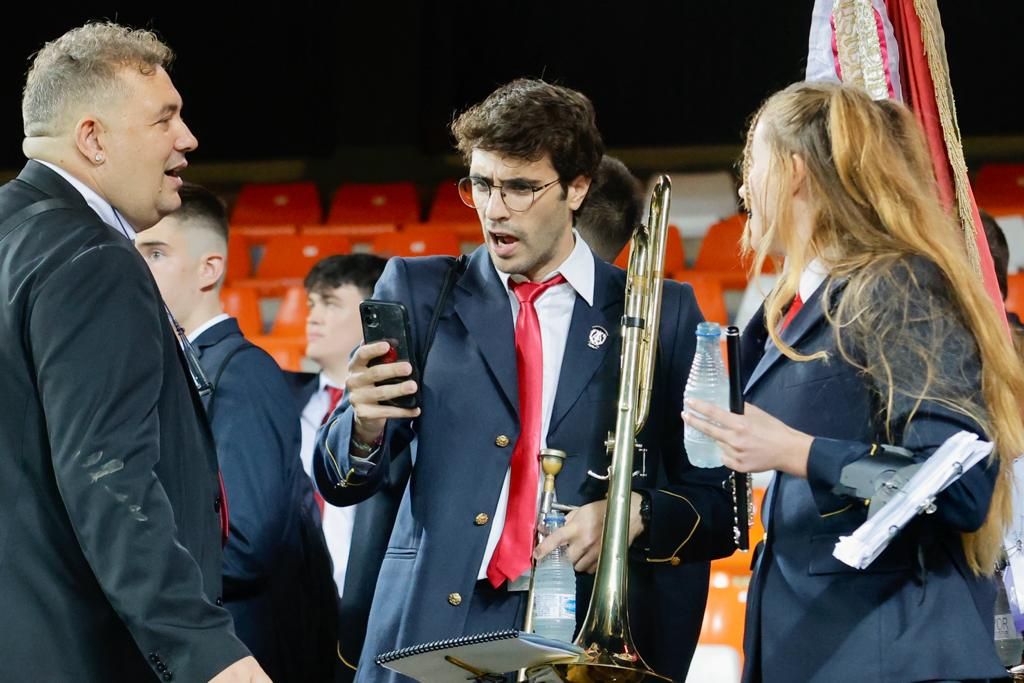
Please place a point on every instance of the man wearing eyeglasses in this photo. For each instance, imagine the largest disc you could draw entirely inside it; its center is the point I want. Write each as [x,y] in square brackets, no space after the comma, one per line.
[526,356]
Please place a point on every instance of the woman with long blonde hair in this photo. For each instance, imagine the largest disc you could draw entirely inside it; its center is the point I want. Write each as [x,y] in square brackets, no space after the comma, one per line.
[879,332]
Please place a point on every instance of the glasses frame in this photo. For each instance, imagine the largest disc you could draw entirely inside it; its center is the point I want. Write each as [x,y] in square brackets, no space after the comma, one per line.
[501,191]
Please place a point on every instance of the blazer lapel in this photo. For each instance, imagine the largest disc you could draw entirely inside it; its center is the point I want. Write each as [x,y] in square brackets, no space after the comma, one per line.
[482,304]
[807,318]
[582,358]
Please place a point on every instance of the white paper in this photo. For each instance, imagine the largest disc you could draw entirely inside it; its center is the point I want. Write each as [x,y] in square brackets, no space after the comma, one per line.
[958,454]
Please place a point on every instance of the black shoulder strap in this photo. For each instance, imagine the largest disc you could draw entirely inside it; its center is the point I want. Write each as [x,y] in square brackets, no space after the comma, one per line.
[455,269]
[31,211]
[243,343]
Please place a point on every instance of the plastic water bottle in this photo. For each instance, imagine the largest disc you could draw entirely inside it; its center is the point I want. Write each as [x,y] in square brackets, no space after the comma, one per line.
[1009,645]
[554,589]
[707,382]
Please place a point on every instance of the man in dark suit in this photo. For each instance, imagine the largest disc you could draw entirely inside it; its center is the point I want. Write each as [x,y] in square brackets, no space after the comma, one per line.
[110,508]
[462,542]
[256,429]
[357,536]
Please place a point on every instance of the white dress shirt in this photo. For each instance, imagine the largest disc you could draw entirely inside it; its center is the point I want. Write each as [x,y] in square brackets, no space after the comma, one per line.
[194,334]
[101,206]
[338,522]
[554,313]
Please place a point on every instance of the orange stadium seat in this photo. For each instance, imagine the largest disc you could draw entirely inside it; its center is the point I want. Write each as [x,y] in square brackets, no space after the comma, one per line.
[999,189]
[262,232]
[448,207]
[291,314]
[675,254]
[239,258]
[288,258]
[359,234]
[243,304]
[366,203]
[287,352]
[725,612]
[417,241]
[1015,293]
[280,204]
[710,296]
[720,253]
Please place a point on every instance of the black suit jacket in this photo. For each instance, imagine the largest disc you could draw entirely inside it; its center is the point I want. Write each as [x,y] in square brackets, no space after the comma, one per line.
[110,550]
[371,529]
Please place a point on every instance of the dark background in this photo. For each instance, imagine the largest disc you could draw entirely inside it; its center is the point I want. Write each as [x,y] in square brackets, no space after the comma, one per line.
[303,80]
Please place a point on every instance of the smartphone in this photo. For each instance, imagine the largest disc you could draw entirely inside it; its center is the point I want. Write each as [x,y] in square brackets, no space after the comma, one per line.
[389,321]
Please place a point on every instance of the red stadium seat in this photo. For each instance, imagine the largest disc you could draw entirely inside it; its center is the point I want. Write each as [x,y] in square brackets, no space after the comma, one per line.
[447,206]
[999,189]
[365,203]
[280,204]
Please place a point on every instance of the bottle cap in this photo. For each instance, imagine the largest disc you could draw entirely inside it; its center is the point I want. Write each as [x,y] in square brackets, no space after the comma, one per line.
[709,329]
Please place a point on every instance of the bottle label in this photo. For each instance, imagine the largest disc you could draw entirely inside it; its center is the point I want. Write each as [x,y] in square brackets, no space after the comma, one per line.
[1004,630]
[554,606]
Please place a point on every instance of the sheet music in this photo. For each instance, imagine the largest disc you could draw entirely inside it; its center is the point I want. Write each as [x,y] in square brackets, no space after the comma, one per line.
[1013,543]
[958,454]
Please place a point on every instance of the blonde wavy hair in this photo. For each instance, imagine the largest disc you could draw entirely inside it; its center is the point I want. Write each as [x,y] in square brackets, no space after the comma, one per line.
[907,308]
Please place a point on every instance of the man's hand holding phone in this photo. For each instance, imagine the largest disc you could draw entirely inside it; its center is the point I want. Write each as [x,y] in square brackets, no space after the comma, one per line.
[366,389]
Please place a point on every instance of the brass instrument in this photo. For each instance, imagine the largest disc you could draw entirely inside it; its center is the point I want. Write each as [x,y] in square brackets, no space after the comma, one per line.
[609,652]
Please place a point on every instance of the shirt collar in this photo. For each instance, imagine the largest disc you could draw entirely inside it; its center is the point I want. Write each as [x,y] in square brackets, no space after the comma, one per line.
[577,269]
[814,274]
[326,381]
[192,336]
[107,213]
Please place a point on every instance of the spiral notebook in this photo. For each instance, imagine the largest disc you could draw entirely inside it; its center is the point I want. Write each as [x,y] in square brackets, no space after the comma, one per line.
[477,656]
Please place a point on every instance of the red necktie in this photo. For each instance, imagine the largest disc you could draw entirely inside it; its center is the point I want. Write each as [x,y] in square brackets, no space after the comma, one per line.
[794,307]
[512,554]
[225,525]
[333,397]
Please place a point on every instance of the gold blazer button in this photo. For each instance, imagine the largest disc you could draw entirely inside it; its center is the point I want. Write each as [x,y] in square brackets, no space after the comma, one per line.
[502,441]
[481,519]
[454,599]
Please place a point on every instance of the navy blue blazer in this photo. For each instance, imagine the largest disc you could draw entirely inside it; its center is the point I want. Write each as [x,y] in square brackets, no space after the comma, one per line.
[256,429]
[469,400]
[917,613]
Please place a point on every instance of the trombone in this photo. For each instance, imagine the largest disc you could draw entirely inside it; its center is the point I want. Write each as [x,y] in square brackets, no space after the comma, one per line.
[609,654]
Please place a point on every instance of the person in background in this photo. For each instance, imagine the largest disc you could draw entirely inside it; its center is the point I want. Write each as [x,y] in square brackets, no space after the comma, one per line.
[612,210]
[110,506]
[357,536]
[268,587]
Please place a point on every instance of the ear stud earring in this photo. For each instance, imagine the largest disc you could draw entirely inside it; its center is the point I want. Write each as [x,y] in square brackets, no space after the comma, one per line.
[99,158]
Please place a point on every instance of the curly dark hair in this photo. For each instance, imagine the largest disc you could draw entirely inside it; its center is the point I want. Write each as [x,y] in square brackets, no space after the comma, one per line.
[526,119]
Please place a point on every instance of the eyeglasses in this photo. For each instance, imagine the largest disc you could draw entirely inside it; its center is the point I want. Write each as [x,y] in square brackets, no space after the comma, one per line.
[517,195]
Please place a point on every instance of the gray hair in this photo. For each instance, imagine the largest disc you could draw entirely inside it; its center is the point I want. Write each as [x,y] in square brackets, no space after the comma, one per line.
[82,67]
